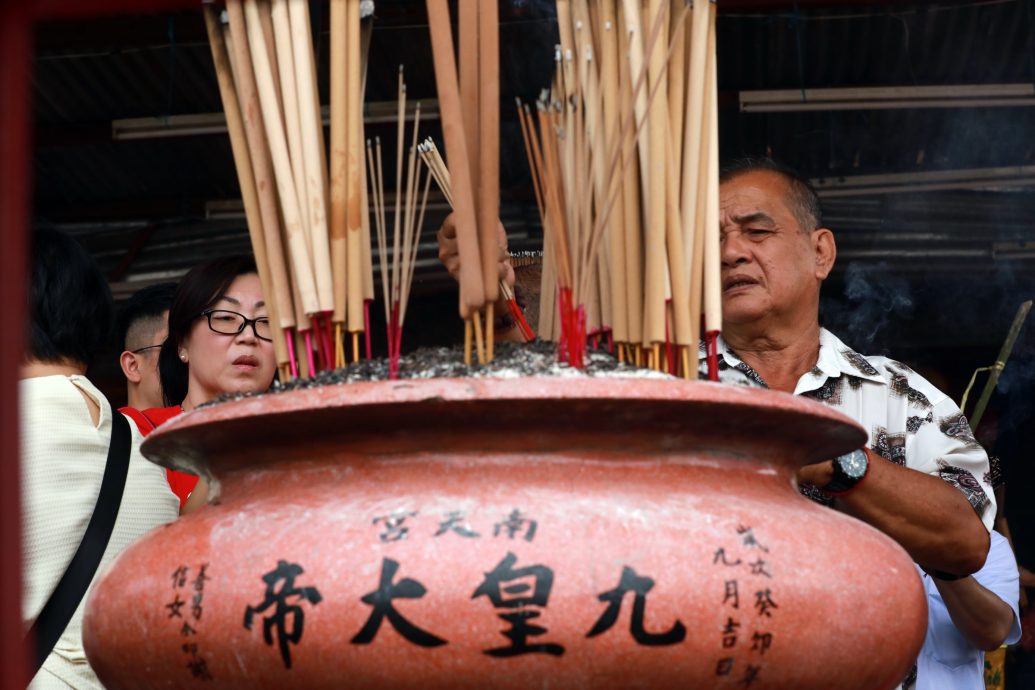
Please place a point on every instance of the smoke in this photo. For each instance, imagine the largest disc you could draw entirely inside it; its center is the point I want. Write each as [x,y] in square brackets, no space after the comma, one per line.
[874,297]
[1017,383]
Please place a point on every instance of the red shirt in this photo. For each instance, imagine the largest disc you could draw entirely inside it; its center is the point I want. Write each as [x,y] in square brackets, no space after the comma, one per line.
[181,483]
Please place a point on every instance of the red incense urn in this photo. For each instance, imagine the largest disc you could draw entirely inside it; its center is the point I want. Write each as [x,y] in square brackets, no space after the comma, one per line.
[522,533]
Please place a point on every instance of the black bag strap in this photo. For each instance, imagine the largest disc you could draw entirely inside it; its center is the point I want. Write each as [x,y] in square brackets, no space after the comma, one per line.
[72,586]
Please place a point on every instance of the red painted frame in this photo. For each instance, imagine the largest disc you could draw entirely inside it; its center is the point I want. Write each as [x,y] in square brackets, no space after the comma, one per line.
[17,24]
[17,20]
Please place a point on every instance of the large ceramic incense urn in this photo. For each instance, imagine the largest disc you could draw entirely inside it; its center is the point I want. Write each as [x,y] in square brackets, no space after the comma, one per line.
[522,533]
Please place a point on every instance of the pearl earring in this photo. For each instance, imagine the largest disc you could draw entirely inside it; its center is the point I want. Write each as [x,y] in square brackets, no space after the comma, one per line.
[183,358]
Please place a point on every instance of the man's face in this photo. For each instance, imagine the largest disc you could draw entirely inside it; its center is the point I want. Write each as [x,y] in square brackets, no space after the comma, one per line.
[150,388]
[770,267]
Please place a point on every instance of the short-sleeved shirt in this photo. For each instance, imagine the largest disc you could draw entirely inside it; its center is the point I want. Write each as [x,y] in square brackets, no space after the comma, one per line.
[63,457]
[947,660]
[181,483]
[909,421]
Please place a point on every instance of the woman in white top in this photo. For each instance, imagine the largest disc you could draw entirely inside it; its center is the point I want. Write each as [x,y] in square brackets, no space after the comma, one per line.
[66,426]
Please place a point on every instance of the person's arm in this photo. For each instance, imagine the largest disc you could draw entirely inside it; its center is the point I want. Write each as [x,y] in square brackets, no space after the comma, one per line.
[449,254]
[198,497]
[978,613]
[928,517]
[983,607]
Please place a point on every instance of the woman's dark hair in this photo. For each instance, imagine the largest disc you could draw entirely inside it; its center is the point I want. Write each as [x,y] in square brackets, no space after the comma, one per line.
[70,305]
[198,291]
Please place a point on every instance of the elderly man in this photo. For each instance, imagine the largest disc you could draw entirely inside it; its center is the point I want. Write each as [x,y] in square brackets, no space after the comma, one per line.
[922,479]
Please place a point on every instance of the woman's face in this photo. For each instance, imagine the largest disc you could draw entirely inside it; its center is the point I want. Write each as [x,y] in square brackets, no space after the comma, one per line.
[219,363]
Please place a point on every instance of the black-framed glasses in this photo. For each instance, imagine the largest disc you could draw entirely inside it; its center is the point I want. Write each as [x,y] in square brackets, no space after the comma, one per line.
[226,322]
[145,349]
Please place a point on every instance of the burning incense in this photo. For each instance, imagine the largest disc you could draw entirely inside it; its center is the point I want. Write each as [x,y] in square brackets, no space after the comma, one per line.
[600,145]
[273,114]
[397,265]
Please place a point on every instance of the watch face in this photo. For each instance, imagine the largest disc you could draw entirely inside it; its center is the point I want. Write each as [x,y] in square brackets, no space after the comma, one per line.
[854,464]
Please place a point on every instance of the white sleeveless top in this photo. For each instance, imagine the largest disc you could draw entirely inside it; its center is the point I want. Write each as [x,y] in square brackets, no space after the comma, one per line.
[63,455]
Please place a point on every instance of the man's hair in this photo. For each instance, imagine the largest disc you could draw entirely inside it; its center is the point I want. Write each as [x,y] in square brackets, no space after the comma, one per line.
[70,305]
[144,313]
[801,195]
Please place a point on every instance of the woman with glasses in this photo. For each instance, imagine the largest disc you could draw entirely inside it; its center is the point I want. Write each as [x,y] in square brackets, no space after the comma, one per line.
[219,342]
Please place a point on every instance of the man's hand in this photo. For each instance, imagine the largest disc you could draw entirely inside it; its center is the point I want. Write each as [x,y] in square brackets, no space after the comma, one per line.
[449,251]
[818,474]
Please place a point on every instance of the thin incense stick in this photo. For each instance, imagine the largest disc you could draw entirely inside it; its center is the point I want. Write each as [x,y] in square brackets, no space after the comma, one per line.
[339,164]
[616,230]
[397,218]
[354,148]
[378,191]
[366,31]
[712,258]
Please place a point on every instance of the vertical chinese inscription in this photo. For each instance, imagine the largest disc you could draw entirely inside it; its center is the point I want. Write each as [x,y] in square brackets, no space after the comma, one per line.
[287,617]
[745,564]
[188,620]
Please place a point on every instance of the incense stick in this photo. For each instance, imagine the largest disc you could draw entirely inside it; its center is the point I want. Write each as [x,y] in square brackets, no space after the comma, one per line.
[472,293]
[314,201]
[275,137]
[488,170]
[339,167]
[243,166]
[354,148]
[712,258]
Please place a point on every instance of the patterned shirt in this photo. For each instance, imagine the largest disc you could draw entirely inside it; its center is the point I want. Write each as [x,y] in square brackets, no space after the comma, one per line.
[909,421]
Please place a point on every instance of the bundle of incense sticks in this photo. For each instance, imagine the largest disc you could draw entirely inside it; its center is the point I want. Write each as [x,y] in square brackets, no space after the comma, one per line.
[397,267]
[624,157]
[309,230]
[433,160]
[469,107]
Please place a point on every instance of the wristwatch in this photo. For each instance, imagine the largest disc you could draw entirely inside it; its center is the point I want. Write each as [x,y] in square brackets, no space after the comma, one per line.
[849,471]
